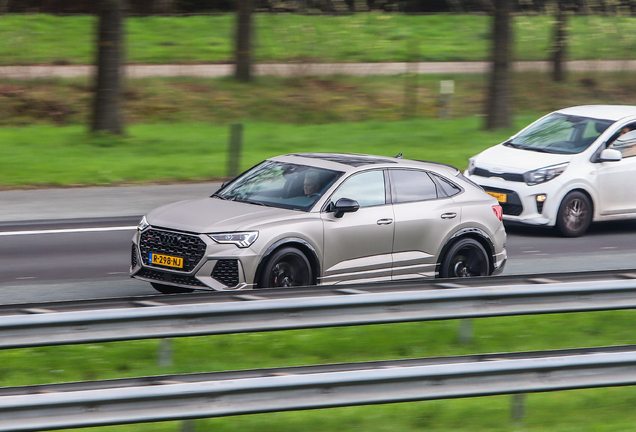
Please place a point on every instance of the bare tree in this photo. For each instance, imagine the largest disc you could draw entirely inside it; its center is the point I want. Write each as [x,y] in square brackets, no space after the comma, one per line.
[498,107]
[243,70]
[106,110]
[560,35]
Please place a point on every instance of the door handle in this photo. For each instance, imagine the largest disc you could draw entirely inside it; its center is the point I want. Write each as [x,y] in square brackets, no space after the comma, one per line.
[449,215]
[385,221]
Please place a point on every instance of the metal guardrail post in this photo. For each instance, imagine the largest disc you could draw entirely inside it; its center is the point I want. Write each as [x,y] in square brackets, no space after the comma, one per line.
[165,353]
[518,407]
[234,151]
[465,330]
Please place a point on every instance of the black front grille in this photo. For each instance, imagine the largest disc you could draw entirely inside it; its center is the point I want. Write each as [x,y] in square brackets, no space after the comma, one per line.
[189,247]
[513,205]
[133,257]
[169,277]
[226,272]
[481,172]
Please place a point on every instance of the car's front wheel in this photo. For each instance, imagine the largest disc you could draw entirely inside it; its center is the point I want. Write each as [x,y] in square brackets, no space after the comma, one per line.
[287,267]
[575,215]
[167,289]
[465,258]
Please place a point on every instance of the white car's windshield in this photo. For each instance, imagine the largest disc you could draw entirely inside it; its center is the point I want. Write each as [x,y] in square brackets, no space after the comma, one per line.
[279,184]
[559,133]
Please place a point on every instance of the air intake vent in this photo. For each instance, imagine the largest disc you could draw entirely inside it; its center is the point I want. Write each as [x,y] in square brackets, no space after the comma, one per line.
[226,272]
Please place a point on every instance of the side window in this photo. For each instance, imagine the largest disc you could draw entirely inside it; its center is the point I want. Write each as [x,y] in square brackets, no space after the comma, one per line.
[367,188]
[625,143]
[447,186]
[411,185]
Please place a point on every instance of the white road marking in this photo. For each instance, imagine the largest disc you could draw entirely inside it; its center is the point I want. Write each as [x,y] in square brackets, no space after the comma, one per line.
[26,277]
[67,231]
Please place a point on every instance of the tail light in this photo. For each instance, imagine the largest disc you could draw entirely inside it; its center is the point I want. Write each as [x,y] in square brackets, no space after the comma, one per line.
[498,211]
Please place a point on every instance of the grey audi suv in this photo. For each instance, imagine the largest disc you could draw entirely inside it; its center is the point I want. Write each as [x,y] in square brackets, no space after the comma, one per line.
[323,218]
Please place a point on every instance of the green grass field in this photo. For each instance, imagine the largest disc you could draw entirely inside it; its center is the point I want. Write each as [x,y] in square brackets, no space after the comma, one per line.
[371,37]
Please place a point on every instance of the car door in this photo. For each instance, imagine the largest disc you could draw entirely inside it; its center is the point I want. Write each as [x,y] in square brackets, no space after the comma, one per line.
[423,218]
[358,245]
[616,180]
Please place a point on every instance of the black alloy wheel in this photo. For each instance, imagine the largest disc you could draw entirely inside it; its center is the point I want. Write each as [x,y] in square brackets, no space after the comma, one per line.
[465,258]
[168,289]
[287,267]
[575,214]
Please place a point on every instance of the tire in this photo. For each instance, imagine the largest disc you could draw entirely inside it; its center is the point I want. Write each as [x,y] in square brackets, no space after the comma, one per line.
[287,267]
[575,215]
[168,289]
[465,258]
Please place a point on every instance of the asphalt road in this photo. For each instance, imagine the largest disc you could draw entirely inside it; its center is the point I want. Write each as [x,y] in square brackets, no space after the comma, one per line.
[79,247]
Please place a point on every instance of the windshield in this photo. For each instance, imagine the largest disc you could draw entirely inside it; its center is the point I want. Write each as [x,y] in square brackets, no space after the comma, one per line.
[279,184]
[558,133]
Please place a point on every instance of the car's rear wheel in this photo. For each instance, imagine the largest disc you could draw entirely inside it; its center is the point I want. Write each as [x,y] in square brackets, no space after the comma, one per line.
[465,258]
[287,267]
[575,215]
[167,289]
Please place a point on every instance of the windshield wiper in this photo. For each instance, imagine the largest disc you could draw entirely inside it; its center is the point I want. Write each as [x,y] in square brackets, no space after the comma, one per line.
[216,195]
[517,146]
[250,202]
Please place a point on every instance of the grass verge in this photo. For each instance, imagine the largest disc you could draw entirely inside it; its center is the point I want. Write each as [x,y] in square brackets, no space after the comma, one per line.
[43,155]
[364,37]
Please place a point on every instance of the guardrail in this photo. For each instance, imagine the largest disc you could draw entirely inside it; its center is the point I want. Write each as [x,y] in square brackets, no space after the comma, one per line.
[176,397]
[180,397]
[45,326]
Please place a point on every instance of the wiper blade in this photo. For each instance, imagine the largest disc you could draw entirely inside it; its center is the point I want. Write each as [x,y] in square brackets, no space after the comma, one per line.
[251,202]
[216,195]
[513,145]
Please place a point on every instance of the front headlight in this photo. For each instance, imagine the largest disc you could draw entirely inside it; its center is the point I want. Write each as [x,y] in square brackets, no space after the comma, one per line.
[543,175]
[143,224]
[240,239]
[471,166]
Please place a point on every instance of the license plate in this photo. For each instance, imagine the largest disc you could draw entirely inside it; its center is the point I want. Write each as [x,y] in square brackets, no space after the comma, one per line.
[166,260]
[501,197]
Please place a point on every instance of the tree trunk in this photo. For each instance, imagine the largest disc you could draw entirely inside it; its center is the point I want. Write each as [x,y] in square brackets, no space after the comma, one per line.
[558,53]
[163,6]
[498,114]
[244,40]
[106,110]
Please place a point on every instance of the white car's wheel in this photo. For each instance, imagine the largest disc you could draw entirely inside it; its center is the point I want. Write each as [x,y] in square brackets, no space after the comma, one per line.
[575,214]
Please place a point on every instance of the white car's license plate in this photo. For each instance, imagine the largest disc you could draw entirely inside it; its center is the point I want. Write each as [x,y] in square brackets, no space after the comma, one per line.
[501,197]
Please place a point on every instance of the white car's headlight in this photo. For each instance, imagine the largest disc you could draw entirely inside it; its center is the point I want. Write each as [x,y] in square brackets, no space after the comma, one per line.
[240,239]
[543,175]
[471,166]
[143,224]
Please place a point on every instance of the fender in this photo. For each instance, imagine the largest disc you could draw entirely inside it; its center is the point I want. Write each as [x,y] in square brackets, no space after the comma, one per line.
[467,232]
[313,260]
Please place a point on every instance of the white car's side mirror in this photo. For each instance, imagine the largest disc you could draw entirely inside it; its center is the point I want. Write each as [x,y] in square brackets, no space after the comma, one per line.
[610,155]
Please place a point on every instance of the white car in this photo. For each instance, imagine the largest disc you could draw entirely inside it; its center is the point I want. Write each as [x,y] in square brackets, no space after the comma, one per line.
[568,169]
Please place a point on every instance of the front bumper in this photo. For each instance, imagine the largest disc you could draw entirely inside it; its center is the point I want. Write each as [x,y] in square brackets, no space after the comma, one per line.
[521,205]
[207,265]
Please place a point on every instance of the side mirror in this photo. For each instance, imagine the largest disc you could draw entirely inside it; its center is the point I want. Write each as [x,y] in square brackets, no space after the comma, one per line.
[610,155]
[345,205]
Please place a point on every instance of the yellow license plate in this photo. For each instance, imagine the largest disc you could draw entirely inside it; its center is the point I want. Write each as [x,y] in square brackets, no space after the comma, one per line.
[166,260]
[500,196]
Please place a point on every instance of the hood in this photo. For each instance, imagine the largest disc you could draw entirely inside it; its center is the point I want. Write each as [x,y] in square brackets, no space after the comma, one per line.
[209,215]
[511,160]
